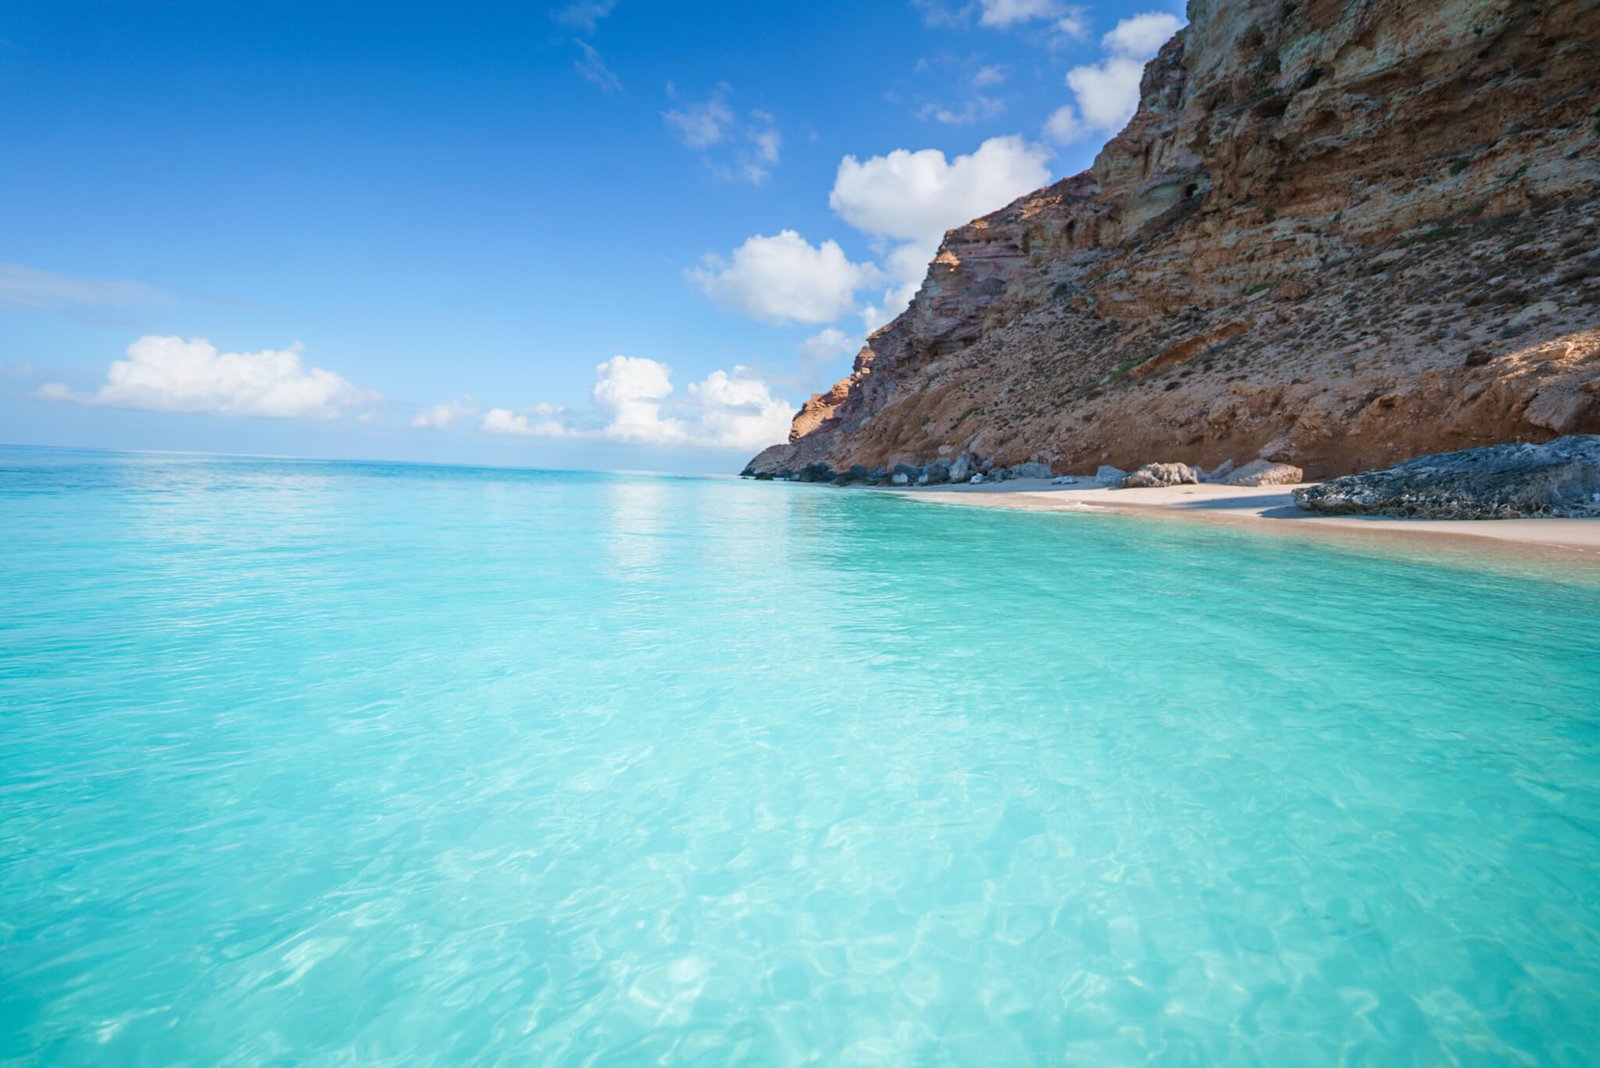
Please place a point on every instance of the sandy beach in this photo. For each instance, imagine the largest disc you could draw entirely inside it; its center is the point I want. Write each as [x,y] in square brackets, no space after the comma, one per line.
[1272,509]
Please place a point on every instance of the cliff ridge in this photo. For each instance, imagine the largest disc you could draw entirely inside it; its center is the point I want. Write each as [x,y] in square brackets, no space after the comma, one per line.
[1335,234]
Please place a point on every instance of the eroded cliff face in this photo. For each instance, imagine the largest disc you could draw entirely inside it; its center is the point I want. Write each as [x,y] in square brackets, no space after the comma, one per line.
[1338,233]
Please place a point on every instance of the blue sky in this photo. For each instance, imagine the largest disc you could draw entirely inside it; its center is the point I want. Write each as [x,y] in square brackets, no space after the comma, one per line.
[608,233]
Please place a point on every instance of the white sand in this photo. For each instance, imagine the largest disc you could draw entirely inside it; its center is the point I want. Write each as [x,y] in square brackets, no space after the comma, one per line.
[1271,508]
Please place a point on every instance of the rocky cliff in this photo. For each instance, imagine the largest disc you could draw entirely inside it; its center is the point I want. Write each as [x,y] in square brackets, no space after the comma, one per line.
[1338,233]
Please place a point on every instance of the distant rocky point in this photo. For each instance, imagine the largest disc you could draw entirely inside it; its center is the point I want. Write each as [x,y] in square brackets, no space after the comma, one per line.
[1334,236]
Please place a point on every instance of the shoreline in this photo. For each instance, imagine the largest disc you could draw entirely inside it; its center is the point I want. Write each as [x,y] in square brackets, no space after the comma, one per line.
[1271,509]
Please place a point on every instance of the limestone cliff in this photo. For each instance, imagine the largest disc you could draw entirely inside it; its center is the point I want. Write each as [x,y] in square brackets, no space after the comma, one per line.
[1338,233]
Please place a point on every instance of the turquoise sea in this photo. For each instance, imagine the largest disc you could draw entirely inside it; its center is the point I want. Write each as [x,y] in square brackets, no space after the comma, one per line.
[345,763]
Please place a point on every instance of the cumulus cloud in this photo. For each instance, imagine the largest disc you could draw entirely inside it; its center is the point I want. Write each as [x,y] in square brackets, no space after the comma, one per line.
[784,278]
[594,69]
[734,148]
[443,416]
[631,389]
[737,411]
[1063,126]
[28,287]
[830,344]
[169,374]
[1141,36]
[904,201]
[583,15]
[1106,94]
[917,196]
[914,197]
[505,421]
[634,405]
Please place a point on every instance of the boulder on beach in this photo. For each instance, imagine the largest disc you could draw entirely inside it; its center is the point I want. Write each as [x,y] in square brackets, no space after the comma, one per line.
[1265,473]
[1162,475]
[961,468]
[1029,470]
[1560,478]
[1110,476]
[1221,472]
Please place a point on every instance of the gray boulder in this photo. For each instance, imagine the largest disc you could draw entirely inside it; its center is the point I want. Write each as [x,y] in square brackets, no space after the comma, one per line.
[1223,470]
[1559,478]
[1162,475]
[1110,476]
[937,472]
[900,478]
[1063,480]
[1028,470]
[976,478]
[961,468]
[1266,473]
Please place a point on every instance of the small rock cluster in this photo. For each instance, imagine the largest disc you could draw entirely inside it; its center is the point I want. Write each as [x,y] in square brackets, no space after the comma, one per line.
[964,468]
[973,470]
[1254,473]
[1560,478]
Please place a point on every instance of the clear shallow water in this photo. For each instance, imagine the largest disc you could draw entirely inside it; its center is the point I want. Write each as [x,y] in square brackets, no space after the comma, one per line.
[342,763]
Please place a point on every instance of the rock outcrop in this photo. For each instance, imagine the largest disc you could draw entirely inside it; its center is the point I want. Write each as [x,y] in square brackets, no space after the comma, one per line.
[1265,473]
[1162,475]
[1334,235]
[1560,478]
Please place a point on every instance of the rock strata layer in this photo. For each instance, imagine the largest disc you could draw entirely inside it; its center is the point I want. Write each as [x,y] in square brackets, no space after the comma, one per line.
[1335,235]
[1559,478]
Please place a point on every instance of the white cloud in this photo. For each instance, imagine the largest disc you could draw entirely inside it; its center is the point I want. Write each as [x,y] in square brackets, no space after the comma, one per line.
[630,389]
[584,15]
[634,405]
[783,278]
[977,109]
[169,374]
[1106,94]
[738,411]
[594,69]
[829,344]
[1141,36]
[752,145]
[905,266]
[28,287]
[703,124]
[1072,24]
[443,416]
[1006,13]
[990,74]
[505,421]
[1063,126]
[905,201]
[914,197]
[917,196]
